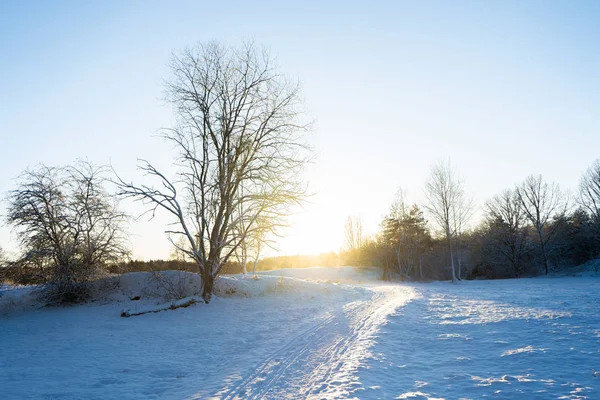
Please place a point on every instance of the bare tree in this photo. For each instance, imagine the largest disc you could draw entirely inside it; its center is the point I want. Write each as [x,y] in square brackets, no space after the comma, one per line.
[507,224]
[353,233]
[353,241]
[541,202]
[589,194]
[241,255]
[65,219]
[254,242]
[396,235]
[177,253]
[260,234]
[445,194]
[259,240]
[462,212]
[239,126]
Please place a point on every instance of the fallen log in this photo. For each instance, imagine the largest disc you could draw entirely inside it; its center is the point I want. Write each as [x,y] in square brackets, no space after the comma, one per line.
[182,303]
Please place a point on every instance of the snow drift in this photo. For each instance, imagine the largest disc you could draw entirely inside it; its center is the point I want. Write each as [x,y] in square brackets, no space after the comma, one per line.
[149,289]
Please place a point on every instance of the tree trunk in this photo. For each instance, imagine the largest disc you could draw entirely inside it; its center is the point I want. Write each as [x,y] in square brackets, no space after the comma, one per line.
[183,303]
[386,271]
[207,286]
[513,260]
[545,258]
[244,258]
[543,245]
[421,268]
[451,255]
[452,261]
[256,258]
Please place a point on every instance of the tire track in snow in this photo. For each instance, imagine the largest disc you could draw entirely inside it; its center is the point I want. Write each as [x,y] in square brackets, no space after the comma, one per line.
[265,388]
[322,360]
[336,376]
[272,368]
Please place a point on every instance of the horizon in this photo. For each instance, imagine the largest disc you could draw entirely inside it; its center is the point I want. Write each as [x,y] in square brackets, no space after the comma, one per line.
[502,89]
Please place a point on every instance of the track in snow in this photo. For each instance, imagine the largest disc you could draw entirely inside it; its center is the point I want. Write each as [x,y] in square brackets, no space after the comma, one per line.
[322,361]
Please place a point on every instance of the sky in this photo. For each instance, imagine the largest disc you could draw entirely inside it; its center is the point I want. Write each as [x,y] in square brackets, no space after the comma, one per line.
[502,89]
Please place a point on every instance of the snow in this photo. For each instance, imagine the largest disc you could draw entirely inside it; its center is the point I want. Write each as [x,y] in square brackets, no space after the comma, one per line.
[307,333]
[351,275]
[527,338]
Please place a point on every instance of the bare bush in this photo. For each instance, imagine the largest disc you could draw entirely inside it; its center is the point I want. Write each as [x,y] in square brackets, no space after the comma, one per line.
[171,285]
[68,226]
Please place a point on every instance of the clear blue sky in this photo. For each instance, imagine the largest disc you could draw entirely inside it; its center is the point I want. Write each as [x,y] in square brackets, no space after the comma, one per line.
[502,88]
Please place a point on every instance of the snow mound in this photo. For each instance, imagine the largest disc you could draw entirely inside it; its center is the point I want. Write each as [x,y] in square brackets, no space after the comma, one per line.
[155,287]
[263,285]
[18,298]
[148,289]
[587,270]
[165,285]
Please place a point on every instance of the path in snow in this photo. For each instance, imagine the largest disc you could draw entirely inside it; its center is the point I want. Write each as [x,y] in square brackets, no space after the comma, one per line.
[323,360]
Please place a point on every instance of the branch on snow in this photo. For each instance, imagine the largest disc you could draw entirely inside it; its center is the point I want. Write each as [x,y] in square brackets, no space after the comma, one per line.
[183,303]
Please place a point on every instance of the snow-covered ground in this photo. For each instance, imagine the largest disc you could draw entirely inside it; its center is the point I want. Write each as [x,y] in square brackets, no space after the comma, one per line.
[310,333]
[510,339]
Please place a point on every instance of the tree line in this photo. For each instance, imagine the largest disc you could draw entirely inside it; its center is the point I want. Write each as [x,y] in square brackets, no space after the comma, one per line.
[533,228]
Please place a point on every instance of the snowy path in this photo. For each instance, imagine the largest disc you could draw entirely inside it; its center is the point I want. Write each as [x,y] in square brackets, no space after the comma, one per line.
[323,360]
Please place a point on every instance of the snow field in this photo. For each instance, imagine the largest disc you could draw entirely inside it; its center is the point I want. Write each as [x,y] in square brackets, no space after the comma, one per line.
[512,339]
[316,333]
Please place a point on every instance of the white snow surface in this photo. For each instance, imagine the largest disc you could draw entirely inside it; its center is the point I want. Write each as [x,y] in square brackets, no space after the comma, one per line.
[323,333]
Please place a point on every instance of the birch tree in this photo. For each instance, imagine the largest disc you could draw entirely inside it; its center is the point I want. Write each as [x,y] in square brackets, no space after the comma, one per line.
[444,193]
[353,232]
[462,212]
[353,241]
[239,125]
